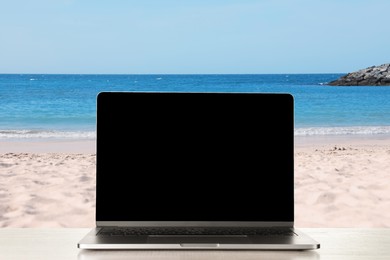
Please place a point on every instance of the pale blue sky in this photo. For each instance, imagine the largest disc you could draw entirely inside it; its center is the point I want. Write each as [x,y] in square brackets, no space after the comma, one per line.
[197,36]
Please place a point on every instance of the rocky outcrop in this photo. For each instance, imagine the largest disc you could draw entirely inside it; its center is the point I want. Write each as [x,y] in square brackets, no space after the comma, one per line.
[371,76]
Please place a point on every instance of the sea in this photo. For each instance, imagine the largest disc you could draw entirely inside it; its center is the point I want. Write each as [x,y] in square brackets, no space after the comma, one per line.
[63,106]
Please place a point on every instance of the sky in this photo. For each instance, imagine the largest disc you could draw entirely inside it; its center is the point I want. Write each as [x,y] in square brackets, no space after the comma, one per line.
[193,36]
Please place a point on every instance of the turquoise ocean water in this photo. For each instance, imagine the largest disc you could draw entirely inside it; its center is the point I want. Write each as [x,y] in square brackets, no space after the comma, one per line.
[64,106]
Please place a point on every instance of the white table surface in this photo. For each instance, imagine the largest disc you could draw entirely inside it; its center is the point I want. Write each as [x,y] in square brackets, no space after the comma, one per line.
[61,243]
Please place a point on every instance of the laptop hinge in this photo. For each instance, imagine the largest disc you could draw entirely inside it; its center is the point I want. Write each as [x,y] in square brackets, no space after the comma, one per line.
[191,224]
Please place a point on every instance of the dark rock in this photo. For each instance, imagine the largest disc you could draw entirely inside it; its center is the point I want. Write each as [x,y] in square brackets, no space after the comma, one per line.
[371,76]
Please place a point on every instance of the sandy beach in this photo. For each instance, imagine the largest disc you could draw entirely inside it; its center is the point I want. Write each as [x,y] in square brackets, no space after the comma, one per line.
[339,181]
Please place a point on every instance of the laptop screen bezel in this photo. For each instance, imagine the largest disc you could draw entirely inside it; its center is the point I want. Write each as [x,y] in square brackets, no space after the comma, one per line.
[99,222]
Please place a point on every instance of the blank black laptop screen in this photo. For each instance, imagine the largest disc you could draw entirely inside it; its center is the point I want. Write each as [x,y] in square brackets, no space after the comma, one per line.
[178,156]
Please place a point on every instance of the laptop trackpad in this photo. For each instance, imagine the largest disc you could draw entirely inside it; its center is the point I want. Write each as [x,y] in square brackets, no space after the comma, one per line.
[197,239]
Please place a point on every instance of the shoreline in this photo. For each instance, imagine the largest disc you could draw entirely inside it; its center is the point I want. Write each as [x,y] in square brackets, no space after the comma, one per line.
[48,146]
[324,140]
[89,145]
[340,181]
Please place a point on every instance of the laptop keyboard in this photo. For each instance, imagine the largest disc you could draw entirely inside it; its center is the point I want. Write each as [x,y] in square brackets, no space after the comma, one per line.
[145,231]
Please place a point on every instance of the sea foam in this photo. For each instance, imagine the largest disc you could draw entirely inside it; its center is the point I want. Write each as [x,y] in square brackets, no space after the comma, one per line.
[350,130]
[46,134]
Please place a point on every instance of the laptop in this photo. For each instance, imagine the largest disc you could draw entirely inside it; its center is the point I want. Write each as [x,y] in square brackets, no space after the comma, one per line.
[195,170]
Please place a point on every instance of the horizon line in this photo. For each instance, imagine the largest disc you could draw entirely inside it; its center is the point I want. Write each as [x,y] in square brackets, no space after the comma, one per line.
[279,73]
